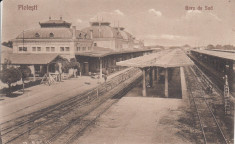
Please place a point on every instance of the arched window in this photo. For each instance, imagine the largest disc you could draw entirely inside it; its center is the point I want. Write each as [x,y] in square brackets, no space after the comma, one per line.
[37,35]
[51,35]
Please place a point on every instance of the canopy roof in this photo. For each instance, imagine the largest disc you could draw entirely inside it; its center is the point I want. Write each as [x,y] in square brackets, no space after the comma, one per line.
[221,54]
[33,58]
[102,52]
[166,58]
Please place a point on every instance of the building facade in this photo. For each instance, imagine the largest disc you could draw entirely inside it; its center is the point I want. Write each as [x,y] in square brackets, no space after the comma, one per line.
[53,36]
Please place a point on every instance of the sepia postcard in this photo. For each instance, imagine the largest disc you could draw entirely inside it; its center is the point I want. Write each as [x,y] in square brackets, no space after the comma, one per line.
[117,71]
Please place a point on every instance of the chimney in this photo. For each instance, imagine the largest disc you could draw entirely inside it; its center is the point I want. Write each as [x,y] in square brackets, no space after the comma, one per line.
[91,34]
[74,32]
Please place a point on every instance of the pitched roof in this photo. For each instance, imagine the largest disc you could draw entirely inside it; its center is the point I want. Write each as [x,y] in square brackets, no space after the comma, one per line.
[33,58]
[166,58]
[175,58]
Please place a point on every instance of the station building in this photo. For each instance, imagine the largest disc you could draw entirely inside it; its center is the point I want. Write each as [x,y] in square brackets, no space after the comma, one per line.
[53,36]
[97,48]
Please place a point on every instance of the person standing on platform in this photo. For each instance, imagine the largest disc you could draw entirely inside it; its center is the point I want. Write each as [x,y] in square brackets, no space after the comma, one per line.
[75,72]
[105,77]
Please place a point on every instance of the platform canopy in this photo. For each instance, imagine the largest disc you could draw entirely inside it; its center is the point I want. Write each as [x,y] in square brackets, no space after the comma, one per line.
[220,54]
[165,58]
[102,52]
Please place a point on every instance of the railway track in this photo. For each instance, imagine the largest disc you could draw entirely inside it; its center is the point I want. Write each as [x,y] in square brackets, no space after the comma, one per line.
[211,131]
[17,128]
[72,131]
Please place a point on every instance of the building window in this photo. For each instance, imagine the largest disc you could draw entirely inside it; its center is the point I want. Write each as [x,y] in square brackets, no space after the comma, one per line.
[78,49]
[89,48]
[61,49]
[47,49]
[38,48]
[20,49]
[67,48]
[24,48]
[34,49]
[83,48]
[51,35]
[95,44]
[52,49]
[37,35]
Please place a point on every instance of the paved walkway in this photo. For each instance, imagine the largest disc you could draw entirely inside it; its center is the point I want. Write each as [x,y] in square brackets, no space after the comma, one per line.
[138,120]
[42,96]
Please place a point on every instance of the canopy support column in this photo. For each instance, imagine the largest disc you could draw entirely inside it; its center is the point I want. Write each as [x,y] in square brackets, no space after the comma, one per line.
[157,77]
[151,77]
[33,71]
[47,69]
[154,75]
[100,68]
[166,82]
[144,83]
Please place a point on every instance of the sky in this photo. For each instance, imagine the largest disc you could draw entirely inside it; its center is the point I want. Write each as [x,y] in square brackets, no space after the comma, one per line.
[157,22]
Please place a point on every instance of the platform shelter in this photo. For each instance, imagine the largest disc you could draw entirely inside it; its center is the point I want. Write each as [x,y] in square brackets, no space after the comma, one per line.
[164,59]
[218,63]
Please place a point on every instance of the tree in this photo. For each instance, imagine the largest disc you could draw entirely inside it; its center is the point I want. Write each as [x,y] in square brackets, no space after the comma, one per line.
[210,46]
[25,72]
[8,44]
[219,46]
[66,66]
[9,76]
[6,63]
[74,64]
[228,47]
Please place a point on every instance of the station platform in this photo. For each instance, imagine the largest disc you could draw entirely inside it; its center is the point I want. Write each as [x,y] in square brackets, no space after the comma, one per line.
[135,119]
